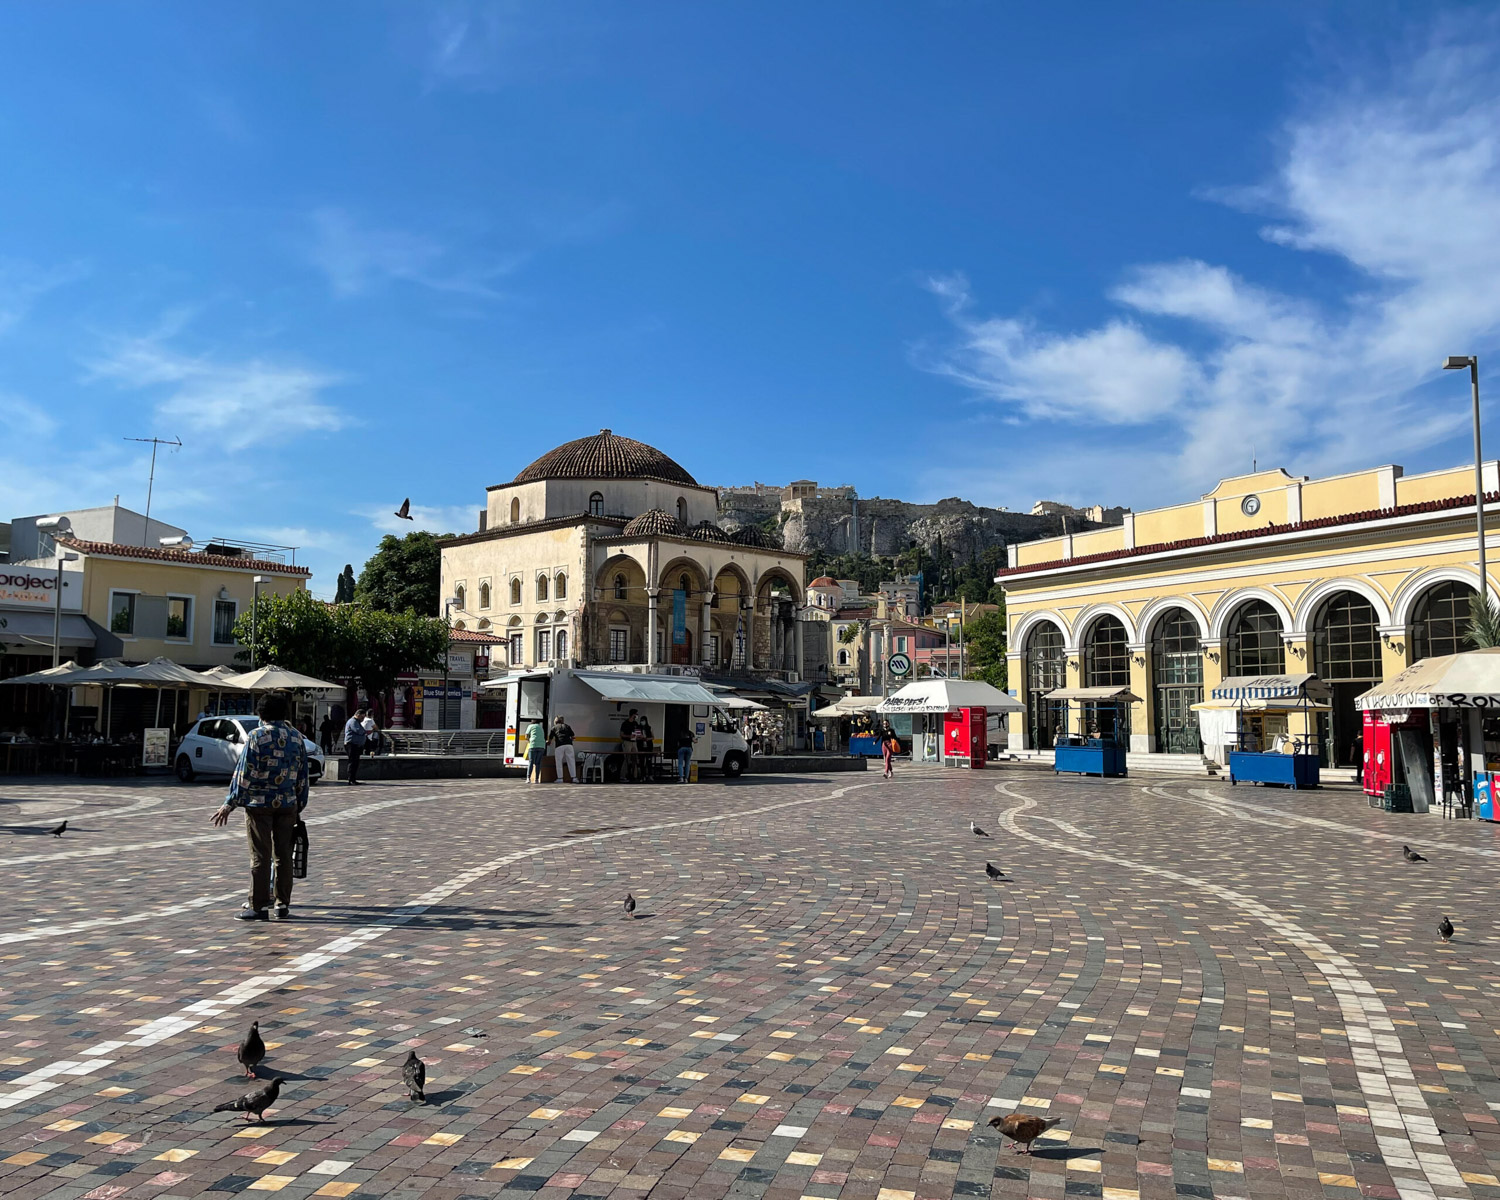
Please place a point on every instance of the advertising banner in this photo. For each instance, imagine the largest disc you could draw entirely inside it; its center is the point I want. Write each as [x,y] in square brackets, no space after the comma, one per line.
[679,617]
[156,747]
[36,587]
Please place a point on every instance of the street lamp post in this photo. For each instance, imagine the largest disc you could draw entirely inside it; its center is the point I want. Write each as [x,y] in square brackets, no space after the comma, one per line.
[450,603]
[1457,362]
[255,617]
[56,526]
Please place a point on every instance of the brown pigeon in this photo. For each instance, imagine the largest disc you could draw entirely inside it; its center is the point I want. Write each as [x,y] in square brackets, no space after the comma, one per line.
[255,1102]
[251,1050]
[1023,1129]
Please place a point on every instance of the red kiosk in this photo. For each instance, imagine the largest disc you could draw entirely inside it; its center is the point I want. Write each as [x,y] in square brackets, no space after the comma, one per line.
[964,738]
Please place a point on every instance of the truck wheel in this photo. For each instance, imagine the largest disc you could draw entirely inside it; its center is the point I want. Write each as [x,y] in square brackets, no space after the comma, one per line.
[734,765]
[184,769]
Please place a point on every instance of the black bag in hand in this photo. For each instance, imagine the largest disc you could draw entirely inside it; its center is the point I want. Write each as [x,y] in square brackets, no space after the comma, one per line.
[299,852]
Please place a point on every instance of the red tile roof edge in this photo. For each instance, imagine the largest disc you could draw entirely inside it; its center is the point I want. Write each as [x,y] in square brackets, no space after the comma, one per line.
[1242,535]
[152,553]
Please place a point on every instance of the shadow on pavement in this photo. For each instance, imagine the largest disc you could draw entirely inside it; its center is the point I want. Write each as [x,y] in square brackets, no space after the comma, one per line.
[439,916]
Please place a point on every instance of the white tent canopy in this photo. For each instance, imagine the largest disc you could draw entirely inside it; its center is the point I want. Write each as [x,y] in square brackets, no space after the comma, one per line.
[276,679]
[1467,680]
[847,706]
[945,695]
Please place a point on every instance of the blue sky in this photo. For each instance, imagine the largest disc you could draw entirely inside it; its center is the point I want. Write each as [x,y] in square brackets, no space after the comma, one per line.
[352,252]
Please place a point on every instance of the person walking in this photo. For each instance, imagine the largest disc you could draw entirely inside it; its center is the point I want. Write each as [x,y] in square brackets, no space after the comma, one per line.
[536,750]
[628,746]
[889,748]
[325,733]
[354,742]
[562,743]
[270,784]
[685,742]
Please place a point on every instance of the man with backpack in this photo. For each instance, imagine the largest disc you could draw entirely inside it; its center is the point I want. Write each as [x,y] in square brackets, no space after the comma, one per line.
[354,742]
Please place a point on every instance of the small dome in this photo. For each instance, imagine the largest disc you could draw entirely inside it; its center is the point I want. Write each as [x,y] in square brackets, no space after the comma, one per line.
[604,455]
[655,523]
[707,531]
[754,535]
[824,581]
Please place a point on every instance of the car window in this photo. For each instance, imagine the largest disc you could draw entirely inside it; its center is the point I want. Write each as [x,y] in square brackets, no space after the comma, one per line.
[212,729]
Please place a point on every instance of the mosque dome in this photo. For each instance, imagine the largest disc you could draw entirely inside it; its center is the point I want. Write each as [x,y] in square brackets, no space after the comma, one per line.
[606,455]
[655,523]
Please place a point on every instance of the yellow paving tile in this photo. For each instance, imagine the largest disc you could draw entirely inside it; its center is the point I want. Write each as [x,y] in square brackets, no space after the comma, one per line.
[675,1113]
[107,1139]
[908,1102]
[545,1114]
[275,1158]
[443,1139]
[681,1135]
[271,1183]
[336,1189]
[800,1158]
[1228,1165]
[1331,1180]
[511,1164]
[733,1154]
[177,1155]
[24,1158]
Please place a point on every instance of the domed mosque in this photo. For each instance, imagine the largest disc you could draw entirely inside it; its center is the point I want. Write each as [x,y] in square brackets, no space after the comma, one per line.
[607,551]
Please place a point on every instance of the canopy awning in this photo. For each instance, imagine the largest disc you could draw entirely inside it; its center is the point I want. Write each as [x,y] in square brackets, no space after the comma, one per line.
[634,689]
[1096,695]
[1467,680]
[277,679]
[847,706]
[725,697]
[34,630]
[945,695]
[1263,704]
[165,672]
[1271,687]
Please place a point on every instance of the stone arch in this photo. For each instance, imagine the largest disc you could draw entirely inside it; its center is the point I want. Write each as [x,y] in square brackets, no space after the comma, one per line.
[560,586]
[634,575]
[1404,605]
[683,564]
[1154,611]
[1231,602]
[730,572]
[1312,600]
[1028,622]
[769,578]
[515,510]
[1082,624]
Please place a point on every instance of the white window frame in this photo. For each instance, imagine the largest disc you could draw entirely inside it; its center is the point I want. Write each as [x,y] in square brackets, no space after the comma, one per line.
[134,594]
[543,645]
[543,587]
[461,594]
[515,590]
[213,626]
[517,640]
[486,585]
[192,616]
[559,593]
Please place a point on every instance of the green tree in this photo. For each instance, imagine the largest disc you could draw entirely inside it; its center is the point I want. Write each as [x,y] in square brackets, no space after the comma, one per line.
[403,574]
[295,631]
[1484,624]
[985,644]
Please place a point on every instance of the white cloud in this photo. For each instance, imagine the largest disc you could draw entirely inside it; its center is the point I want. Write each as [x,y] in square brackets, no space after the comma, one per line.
[22,285]
[236,404]
[1395,178]
[357,258]
[19,416]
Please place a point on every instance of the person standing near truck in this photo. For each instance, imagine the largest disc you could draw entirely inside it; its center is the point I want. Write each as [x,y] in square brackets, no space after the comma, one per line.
[536,750]
[685,742]
[562,743]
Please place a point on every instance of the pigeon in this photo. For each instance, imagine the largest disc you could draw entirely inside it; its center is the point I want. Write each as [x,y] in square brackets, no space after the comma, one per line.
[629,905]
[251,1050]
[976,831]
[1445,929]
[60,830]
[1411,855]
[254,1102]
[993,871]
[1023,1129]
[404,512]
[414,1075]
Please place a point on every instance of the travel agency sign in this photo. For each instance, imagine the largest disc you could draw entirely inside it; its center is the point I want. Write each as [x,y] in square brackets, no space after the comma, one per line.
[36,587]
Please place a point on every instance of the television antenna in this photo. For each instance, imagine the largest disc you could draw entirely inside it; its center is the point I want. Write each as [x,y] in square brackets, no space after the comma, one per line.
[151,480]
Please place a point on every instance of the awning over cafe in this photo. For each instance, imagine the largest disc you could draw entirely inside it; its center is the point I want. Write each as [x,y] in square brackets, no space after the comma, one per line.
[632,689]
[1467,680]
[1271,687]
[1095,695]
[33,630]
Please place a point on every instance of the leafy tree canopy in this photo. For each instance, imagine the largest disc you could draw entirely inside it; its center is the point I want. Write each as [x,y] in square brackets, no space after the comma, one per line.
[985,643]
[402,575]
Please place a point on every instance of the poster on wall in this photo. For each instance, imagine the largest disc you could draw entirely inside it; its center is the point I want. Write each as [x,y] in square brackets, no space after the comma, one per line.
[156,747]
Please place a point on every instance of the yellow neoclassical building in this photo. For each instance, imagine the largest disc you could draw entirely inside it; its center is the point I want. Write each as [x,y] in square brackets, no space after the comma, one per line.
[1351,577]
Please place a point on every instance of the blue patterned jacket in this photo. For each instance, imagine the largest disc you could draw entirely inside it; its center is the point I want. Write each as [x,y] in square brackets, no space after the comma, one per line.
[272,773]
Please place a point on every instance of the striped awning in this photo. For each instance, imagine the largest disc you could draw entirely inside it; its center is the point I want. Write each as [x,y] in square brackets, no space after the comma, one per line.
[1271,687]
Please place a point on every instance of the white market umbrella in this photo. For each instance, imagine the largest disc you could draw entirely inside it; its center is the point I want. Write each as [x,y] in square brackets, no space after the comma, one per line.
[945,695]
[846,706]
[278,679]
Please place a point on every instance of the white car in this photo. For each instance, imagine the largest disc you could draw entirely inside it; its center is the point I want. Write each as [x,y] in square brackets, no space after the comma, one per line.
[214,744]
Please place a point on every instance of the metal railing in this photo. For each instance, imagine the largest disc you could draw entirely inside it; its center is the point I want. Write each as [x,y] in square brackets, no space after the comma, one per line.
[450,743]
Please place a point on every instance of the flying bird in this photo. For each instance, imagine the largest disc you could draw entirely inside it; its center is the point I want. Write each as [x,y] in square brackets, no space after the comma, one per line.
[255,1102]
[404,512]
[993,871]
[251,1050]
[1445,929]
[414,1075]
[629,905]
[60,830]
[976,831]
[1023,1129]
[1411,855]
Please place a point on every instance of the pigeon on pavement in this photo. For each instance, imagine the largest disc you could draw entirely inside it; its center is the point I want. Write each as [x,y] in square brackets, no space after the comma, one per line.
[251,1050]
[993,871]
[255,1102]
[976,831]
[404,512]
[414,1075]
[1023,1129]
[1445,929]
[60,830]
[629,905]
[1411,855]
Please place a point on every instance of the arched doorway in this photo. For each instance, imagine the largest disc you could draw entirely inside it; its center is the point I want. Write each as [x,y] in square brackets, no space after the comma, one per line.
[1177,675]
[1440,624]
[1346,656]
[1046,670]
[1254,645]
[1106,663]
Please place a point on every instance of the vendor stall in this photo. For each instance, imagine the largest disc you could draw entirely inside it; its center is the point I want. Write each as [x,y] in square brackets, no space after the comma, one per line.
[1097,745]
[1434,730]
[957,708]
[1271,723]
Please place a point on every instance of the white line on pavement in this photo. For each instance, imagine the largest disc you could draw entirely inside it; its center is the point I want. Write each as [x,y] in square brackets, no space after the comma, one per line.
[1398,1111]
[102,1054]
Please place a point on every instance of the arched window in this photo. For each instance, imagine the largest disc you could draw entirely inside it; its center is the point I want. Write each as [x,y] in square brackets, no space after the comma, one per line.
[541,587]
[682,509]
[460,593]
[484,595]
[1046,670]
[619,587]
[843,658]
[515,511]
[1346,655]
[1255,646]
[685,584]
[596,504]
[560,587]
[560,643]
[515,591]
[1177,663]
[1440,624]
[1106,658]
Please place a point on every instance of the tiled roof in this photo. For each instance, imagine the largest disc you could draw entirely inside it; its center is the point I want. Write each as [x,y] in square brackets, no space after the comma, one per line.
[605,455]
[187,557]
[655,522]
[1242,535]
[487,637]
[499,531]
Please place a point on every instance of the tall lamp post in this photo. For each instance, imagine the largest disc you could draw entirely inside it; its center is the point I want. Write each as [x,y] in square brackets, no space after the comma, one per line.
[448,605]
[56,526]
[1457,362]
[255,617]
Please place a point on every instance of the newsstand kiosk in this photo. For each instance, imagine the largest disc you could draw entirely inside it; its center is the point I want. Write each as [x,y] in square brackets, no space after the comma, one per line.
[963,738]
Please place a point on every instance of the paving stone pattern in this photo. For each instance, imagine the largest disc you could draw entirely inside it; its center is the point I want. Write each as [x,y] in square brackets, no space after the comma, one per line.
[1222,992]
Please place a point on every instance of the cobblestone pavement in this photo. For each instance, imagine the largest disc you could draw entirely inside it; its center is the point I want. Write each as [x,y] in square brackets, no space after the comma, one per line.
[1221,992]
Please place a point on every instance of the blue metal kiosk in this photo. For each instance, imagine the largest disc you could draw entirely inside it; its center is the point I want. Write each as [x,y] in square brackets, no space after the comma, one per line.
[1290,759]
[1098,747]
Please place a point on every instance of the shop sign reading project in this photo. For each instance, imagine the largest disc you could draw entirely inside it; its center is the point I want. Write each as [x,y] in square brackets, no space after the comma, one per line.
[36,587]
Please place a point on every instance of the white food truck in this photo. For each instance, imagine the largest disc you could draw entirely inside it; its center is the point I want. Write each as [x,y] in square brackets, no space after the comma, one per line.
[594,702]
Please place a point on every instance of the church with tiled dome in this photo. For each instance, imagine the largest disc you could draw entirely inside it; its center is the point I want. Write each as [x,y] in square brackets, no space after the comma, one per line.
[606,551]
